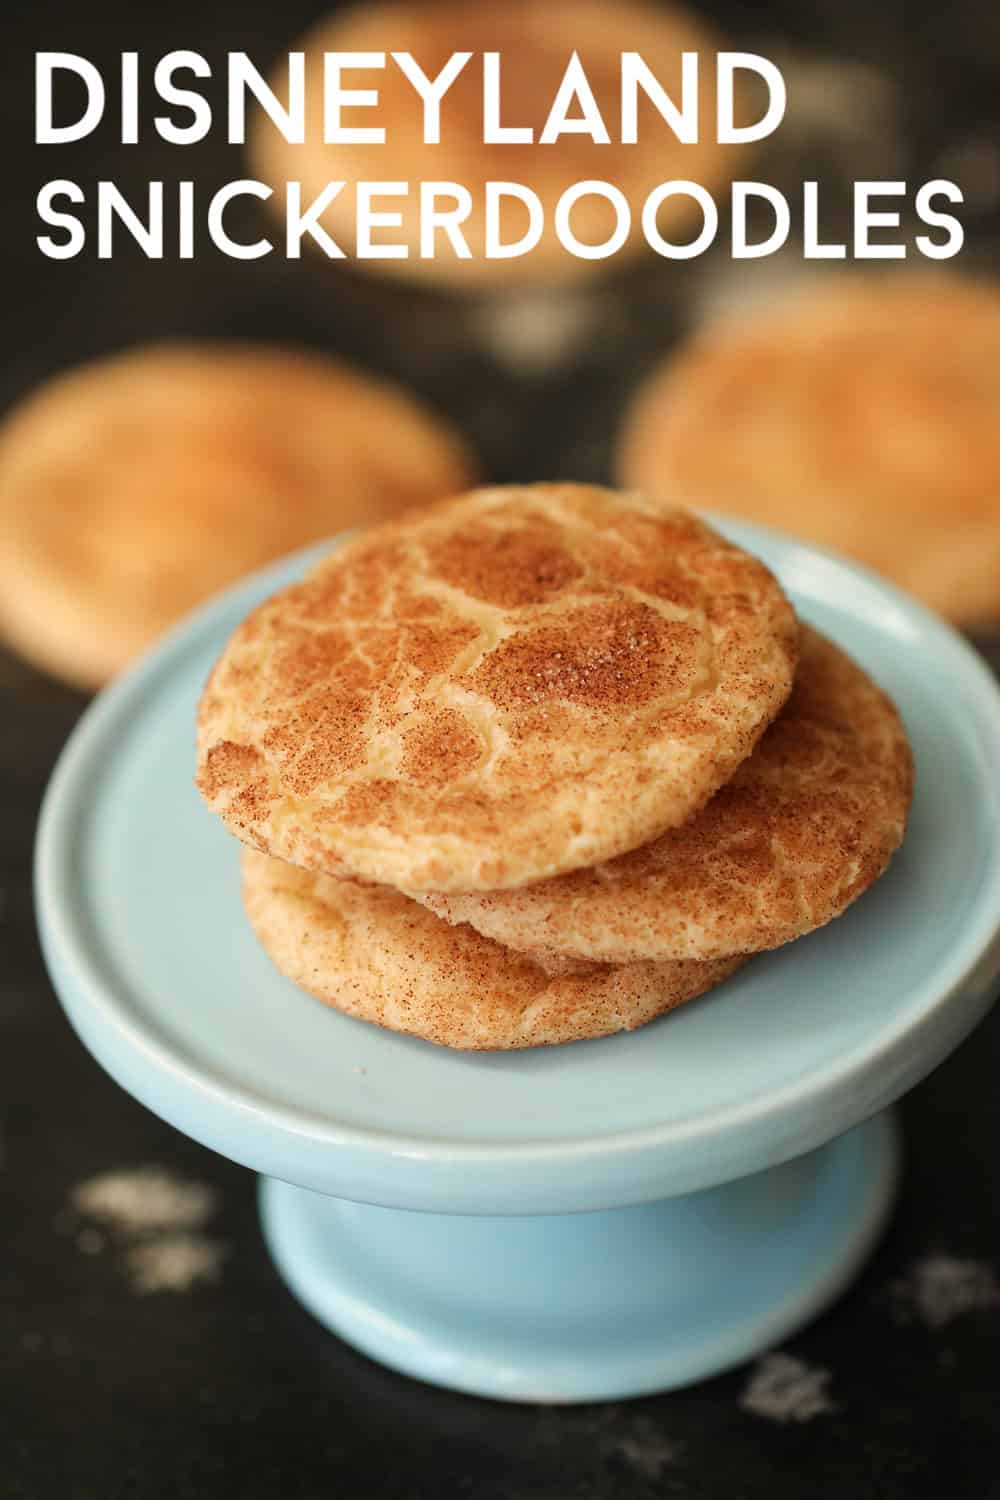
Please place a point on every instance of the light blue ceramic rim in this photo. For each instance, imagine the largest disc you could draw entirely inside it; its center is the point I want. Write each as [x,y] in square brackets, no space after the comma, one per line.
[676,1158]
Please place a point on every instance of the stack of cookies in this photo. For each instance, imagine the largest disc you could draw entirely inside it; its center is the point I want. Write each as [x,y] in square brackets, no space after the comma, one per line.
[541,763]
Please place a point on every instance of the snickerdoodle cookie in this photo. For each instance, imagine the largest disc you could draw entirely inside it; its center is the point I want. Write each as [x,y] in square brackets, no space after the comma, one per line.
[381,957]
[496,689]
[133,488]
[536,43]
[805,826]
[863,413]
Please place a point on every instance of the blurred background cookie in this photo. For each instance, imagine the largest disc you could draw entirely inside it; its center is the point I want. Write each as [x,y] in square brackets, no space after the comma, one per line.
[862,412]
[536,42]
[133,488]
[382,958]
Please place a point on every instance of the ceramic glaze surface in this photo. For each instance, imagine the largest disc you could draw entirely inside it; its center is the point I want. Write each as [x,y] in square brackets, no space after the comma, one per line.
[589,1307]
[138,889]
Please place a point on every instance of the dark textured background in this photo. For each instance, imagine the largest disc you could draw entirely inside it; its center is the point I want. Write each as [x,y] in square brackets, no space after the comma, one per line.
[228,1388]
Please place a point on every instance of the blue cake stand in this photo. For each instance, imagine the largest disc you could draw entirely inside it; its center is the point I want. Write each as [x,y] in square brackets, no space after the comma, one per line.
[596,1220]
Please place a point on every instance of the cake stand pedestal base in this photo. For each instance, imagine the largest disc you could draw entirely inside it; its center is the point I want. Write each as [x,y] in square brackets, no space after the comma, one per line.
[137,893]
[590,1306]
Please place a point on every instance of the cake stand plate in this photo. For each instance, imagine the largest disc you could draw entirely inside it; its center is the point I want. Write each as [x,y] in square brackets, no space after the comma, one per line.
[594,1220]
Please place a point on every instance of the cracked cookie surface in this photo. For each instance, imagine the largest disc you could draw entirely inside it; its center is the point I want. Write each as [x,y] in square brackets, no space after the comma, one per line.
[495,689]
[376,955]
[806,825]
